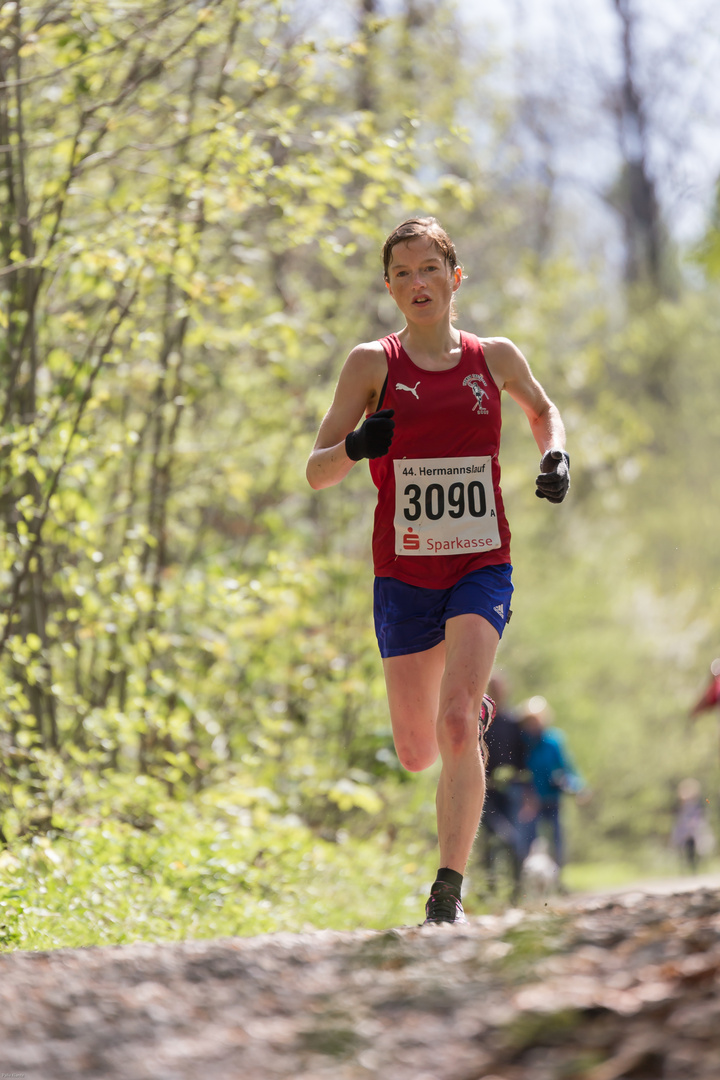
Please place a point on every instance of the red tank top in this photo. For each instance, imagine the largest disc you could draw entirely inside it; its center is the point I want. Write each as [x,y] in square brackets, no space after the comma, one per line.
[439,513]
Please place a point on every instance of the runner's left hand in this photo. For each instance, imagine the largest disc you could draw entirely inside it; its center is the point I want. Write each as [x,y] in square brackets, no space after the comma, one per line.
[554,479]
[372,439]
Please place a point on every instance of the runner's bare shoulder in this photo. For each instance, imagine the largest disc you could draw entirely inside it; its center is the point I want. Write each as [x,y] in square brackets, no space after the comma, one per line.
[503,358]
[367,365]
[369,355]
[500,346]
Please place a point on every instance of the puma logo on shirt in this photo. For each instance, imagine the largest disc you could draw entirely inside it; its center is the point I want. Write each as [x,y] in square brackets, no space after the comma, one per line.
[410,389]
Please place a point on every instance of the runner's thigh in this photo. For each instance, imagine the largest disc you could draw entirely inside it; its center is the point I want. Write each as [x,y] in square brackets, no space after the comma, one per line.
[413,688]
[470,646]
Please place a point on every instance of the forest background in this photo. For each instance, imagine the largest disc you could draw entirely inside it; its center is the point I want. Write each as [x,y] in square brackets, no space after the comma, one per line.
[194,738]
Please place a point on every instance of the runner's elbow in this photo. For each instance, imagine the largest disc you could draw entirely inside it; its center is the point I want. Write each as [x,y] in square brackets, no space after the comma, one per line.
[318,476]
[314,476]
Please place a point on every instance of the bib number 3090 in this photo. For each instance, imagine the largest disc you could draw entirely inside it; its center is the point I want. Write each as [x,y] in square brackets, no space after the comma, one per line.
[445,506]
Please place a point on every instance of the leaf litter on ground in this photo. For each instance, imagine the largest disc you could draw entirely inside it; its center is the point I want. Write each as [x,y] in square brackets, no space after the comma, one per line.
[603,988]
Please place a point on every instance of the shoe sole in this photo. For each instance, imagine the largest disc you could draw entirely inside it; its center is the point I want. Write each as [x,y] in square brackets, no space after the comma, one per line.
[489,705]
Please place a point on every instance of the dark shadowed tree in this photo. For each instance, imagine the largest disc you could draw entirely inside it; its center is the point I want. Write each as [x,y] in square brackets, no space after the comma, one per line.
[635,193]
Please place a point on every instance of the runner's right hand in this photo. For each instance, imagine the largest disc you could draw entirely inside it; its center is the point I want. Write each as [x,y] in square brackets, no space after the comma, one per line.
[372,439]
[554,479]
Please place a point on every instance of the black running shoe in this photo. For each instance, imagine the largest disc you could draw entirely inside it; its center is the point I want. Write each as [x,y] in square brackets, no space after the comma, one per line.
[487,715]
[443,906]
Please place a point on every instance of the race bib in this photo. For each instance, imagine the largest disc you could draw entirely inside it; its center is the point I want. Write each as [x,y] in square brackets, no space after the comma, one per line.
[445,506]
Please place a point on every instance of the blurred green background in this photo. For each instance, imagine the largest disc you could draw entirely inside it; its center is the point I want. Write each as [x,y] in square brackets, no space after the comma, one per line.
[194,738]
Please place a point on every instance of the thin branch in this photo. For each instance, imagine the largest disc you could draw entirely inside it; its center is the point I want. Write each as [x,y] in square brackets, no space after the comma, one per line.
[80,363]
[40,521]
[122,44]
[75,165]
[14,267]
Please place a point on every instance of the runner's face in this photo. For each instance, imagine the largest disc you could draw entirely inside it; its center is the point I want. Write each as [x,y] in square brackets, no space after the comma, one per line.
[421,280]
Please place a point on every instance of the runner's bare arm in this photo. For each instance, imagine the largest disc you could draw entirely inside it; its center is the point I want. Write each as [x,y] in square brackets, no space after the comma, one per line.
[357,392]
[512,373]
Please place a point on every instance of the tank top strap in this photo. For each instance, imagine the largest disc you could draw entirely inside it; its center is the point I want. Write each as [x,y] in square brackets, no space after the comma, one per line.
[391,345]
[472,348]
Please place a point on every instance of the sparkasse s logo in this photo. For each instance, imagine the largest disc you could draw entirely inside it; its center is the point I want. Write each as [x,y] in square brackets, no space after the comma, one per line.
[411,541]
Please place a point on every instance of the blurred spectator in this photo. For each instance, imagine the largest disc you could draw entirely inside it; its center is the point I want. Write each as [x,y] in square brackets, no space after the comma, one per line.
[507,788]
[711,697]
[692,835]
[553,774]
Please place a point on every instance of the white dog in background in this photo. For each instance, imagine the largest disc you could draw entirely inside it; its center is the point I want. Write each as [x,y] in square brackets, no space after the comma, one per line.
[540,873]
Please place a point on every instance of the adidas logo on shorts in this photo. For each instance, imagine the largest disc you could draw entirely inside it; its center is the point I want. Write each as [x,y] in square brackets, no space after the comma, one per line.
[500,610]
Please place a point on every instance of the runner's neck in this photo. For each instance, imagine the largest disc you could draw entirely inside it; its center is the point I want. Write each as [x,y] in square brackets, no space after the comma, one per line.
[432,348]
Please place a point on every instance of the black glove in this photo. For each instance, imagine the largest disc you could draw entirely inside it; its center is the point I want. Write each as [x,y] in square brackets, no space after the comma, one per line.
[554,479]
[372,439]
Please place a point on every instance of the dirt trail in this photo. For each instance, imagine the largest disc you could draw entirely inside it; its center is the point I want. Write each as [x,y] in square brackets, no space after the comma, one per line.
[596,988]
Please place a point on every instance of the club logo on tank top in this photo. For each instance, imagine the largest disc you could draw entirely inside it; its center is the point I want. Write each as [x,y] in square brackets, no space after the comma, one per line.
[477,384]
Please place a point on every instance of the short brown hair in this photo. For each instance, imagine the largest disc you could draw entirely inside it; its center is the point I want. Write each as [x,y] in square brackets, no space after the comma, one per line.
[410,230]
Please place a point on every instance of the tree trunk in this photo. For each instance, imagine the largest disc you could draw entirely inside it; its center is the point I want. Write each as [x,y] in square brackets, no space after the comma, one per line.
[367,95]
[636,192]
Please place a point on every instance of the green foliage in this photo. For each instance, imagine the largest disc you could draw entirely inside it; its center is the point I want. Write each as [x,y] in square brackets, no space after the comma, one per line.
[231,861]
[708,251]
[192,204]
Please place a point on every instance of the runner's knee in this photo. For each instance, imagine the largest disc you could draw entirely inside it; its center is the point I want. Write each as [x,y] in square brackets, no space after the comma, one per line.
[415,757]
[458,728]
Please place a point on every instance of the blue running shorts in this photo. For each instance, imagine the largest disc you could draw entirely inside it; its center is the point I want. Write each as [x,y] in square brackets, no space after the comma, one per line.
[410,619]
